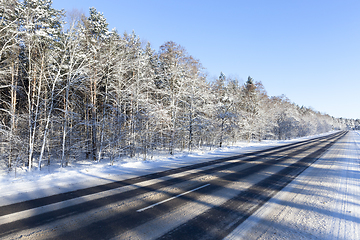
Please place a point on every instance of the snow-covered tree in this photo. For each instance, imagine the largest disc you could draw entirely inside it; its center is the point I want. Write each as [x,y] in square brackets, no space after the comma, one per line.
[226,113]
[97,34]
[65,91]
[40,30]
[9,75]
[173,81]
[250,106]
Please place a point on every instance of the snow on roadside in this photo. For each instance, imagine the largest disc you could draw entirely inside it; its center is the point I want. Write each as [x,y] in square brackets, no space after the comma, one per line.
[81,174]
[321,203]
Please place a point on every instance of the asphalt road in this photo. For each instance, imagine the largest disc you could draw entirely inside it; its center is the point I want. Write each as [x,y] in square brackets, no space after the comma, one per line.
[201,201]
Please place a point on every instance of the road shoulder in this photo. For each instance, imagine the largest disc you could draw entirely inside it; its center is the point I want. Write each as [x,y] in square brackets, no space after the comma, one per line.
[322,203]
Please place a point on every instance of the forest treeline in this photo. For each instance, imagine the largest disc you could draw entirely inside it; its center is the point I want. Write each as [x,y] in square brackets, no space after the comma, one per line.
[77,89]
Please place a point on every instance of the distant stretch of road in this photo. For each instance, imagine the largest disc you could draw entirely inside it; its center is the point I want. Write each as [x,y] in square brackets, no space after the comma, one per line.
[202,201]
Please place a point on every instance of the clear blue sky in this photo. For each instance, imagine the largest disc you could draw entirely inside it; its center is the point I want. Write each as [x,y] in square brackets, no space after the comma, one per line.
[308,50]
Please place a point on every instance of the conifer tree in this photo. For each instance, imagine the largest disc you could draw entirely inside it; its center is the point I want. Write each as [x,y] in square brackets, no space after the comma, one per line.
[97,34]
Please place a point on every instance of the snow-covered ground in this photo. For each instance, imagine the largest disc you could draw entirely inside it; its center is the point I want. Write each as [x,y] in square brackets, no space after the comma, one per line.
[322,203]
[52,180]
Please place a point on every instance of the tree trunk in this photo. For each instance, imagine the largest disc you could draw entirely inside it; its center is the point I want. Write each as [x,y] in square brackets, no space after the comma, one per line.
[66,108]
[12,112]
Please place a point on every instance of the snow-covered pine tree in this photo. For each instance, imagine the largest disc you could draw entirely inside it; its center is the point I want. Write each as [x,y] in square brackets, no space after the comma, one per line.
[250,105]
[97,34]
